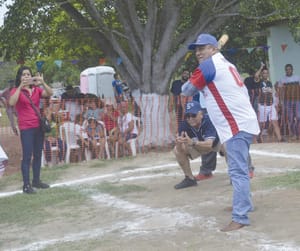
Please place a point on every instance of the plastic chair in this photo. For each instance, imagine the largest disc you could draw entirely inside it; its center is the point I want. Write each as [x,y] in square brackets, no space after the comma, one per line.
[134,144]
[70,138]
[54,157]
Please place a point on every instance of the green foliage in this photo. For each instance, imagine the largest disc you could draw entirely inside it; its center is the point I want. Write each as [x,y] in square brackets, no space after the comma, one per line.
[88,30]
[274,11]
[42,31]
[7,73]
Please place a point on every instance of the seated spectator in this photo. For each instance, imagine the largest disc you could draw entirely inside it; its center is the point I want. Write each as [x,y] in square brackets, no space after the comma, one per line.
[127,129]
[81,135]
[94,107]
[110,119]
[53,138]
[96,138]
[132,104]
[71,101]
[76,133]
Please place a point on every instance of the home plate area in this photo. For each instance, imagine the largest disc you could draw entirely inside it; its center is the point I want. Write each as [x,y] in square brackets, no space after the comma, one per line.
[158,217]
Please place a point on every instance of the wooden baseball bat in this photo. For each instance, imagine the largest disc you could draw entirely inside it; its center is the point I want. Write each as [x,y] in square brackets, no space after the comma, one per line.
[222,41]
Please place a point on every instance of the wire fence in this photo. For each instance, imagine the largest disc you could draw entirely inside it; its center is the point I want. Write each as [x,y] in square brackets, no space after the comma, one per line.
[87,127]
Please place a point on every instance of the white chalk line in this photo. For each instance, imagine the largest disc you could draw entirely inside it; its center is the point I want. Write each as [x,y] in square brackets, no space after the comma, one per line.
[275,155]
[134,228]
[163,221]
[115,175]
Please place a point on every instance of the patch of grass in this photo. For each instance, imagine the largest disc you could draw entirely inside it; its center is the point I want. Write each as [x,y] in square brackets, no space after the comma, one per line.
[26,209]
[52,174]
[289,180]
[99,163]
[48,175]
[11,179]
[118,190]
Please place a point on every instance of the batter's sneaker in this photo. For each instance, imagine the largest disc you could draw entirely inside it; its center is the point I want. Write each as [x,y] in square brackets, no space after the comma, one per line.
[187,182]
[201,176]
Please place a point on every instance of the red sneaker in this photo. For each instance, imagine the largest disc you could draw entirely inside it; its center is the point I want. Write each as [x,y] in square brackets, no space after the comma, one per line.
[203,176]
[251,174]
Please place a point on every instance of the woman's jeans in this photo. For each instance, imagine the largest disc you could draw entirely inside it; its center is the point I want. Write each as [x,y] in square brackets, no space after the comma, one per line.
[32,144]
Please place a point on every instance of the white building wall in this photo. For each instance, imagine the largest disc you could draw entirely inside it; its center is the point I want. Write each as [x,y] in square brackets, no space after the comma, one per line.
[278,58]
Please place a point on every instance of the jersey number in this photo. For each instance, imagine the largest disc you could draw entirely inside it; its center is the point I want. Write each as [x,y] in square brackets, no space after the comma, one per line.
[236,76]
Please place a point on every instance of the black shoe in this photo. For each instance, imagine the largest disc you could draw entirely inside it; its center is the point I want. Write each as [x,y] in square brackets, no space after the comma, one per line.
[187,182]
[40,184]
[28,189]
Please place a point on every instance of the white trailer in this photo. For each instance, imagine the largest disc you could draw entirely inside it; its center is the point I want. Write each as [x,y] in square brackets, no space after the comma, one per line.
[98,80]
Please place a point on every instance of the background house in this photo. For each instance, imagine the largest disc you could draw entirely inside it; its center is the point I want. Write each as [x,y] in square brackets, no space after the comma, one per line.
[283,50]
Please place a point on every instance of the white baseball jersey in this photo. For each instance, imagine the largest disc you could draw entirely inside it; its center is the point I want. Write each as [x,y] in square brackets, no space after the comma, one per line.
[226,97]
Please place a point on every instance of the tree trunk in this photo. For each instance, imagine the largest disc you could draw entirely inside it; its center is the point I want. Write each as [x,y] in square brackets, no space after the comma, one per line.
[156,121]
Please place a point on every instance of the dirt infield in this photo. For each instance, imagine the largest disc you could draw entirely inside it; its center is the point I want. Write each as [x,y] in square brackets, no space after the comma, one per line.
[162,218]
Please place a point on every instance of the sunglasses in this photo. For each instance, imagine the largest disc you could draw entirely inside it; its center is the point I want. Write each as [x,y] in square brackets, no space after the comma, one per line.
[190,115]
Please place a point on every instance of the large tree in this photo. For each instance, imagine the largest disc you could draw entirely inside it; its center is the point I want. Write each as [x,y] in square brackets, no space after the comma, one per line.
[149,38]
[145,40]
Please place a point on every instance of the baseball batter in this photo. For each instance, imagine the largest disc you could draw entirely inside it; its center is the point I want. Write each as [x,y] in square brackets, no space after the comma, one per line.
[231,113]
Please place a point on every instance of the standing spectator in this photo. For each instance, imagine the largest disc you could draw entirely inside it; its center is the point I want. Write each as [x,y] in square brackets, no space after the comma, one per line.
[176,100]
[266,105]
[32,137]
[253,89]
[289,94]
[196,136]
[118,88]
[231,113]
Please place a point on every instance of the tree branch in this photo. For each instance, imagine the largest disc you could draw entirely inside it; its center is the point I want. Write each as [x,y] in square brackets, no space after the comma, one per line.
[129,27]
[91,9]
[170,20]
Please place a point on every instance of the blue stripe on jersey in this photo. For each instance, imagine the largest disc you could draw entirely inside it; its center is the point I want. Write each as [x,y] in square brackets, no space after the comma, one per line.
[208,70]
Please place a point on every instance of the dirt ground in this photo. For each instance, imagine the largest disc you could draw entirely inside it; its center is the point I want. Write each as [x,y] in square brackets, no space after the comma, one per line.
[162,218]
